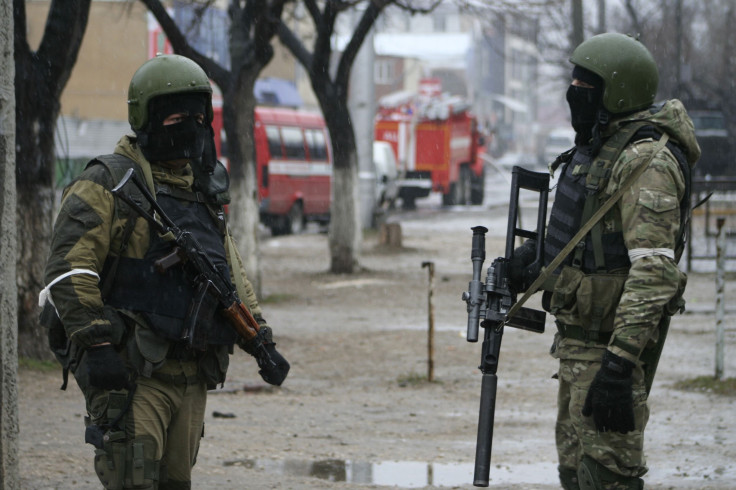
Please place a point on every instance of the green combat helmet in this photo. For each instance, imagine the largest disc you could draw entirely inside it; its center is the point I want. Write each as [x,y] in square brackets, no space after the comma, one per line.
[164,75]
[626,67]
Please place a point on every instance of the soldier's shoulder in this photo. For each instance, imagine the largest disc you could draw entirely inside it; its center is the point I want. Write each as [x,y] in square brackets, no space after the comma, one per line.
[102,169]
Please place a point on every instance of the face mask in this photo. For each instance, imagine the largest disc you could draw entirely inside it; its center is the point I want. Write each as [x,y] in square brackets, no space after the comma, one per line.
[584,104]
[183,140]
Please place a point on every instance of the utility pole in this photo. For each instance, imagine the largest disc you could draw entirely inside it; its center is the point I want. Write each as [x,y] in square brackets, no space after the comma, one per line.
[578,33]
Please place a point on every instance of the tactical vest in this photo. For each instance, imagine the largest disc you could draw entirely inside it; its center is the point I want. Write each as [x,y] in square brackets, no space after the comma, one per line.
[578,197]
[134,284]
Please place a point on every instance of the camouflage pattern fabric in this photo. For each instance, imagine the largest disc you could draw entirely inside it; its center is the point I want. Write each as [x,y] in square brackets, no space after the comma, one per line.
[649,217]
[87,229]
[576,435]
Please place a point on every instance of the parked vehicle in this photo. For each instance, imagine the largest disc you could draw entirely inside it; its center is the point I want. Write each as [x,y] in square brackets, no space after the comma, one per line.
[384,162]
[557,141]
[293,167]
[716,159]
[436,145]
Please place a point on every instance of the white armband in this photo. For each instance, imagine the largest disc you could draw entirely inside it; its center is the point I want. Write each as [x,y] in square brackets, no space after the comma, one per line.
[637,253]
[45,294]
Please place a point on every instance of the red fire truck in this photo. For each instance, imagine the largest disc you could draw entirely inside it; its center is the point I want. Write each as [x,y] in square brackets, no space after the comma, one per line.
[437,145]
[293,167]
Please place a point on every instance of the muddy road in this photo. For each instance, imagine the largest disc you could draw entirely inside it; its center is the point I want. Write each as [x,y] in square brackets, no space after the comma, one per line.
[357,410]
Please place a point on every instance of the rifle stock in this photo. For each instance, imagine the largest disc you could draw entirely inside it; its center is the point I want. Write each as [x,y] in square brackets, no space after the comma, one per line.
[242,320]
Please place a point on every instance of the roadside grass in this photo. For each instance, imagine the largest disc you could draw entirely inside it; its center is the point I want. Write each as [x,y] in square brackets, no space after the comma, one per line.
[414,379]
[37,365]
[708,384]
[277,298]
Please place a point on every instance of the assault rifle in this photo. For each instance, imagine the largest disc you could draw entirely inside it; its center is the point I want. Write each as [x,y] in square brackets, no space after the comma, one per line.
[489,303]
[213,288]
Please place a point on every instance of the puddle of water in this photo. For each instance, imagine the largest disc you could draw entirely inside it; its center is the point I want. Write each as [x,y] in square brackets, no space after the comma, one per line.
[402,474]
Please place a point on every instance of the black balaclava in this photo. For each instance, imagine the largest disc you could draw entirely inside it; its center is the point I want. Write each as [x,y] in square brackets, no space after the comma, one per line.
[185,139]
[585,104]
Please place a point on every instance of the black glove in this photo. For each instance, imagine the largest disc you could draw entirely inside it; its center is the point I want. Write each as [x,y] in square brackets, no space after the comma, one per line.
[523,270]
[274,367]
[105,368]
[610,398]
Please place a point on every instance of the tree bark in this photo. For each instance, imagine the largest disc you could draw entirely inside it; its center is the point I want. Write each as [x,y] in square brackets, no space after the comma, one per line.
[9,467]
[40,78]
[331,91]
[252,28]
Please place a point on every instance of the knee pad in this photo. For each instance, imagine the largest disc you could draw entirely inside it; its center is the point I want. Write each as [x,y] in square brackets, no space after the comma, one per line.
[126,464]
[594,476]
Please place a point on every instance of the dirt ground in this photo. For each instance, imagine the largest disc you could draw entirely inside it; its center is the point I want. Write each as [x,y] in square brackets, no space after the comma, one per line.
[357,411]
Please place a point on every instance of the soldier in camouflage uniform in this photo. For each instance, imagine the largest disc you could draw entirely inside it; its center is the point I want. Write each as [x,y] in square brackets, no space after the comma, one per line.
[613,295]
[116,323]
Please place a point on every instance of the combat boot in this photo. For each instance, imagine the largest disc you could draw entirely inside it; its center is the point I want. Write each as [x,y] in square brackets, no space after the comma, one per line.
[594,476]
[568,478]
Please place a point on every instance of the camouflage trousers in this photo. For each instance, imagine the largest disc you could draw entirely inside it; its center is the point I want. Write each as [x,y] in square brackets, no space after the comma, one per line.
[160,434]
[577,436]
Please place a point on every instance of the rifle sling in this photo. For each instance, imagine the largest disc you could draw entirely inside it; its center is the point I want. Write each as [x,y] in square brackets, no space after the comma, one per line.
[580,235]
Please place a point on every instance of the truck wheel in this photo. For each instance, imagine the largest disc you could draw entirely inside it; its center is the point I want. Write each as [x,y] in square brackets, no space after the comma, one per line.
[477,188]
[449,199]
[295,219]
[466,186]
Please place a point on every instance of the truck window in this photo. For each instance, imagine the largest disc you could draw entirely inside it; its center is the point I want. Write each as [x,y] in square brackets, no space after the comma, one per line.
[274,141]
[316,144]
[293,143]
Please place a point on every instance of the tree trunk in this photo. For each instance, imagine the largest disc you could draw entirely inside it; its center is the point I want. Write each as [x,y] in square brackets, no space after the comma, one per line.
[36,123]
[345,232]
[9,472]
[238,111]
[40,77]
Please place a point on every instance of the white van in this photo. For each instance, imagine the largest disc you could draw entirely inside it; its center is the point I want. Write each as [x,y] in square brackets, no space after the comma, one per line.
[384,161]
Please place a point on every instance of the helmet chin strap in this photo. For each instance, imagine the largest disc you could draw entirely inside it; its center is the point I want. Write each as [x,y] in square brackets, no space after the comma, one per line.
[602,118]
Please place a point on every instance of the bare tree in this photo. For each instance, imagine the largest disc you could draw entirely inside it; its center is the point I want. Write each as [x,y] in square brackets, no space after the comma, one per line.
[253,25]
[9,471]
[40,78]
[331,88]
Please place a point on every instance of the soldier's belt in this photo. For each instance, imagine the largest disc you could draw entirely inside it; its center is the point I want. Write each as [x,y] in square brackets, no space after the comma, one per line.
[576,332]
[176,379]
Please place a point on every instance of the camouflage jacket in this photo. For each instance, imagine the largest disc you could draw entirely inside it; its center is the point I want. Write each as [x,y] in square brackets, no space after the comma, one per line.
[648,215]
[88,229]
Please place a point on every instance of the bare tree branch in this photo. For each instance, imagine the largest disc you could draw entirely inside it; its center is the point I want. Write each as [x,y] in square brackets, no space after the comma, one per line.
[295,46]
[68,22]
[181,46]
[370,14]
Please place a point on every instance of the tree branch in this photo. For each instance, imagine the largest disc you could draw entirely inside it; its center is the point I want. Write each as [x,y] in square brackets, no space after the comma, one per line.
[219,74]
[294,45]
[62,38]
[20,37]
[367,20]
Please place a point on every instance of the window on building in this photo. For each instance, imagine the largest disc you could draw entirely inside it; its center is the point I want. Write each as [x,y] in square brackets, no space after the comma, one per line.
[383,72]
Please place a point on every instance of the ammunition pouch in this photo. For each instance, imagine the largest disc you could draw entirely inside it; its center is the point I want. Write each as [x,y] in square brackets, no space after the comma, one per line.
[119,462]
[585,304]
[127,464]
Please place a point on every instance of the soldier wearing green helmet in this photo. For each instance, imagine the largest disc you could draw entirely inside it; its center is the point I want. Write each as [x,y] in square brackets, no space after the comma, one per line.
[122,328]
[613,295]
